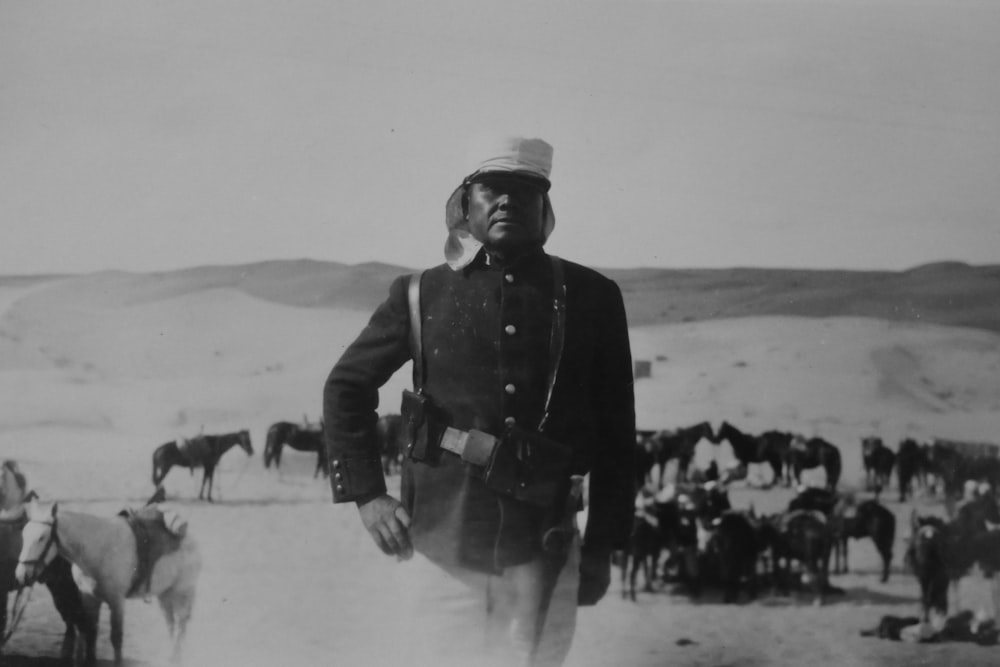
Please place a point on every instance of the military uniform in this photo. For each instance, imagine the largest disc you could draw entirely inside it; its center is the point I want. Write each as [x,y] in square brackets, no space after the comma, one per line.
[486,332]
[531,350]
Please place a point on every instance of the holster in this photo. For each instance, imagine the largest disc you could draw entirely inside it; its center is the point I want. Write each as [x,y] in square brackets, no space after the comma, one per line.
[416,409]
[529,467]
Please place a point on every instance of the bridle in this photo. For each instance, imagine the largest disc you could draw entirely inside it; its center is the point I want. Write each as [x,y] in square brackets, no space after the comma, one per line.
[38,564]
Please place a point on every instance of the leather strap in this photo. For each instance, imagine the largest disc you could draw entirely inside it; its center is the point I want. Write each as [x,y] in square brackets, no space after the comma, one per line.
[556,338]
[416,336]
[558,334]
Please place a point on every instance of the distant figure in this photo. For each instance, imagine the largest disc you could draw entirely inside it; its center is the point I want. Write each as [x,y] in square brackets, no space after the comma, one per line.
[12,490]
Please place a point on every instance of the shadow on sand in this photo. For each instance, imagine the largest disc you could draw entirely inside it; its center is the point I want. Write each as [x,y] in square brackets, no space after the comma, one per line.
[15,660]
[856,595]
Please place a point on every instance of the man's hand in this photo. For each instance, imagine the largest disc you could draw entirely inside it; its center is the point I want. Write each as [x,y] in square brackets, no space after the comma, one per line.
[595,576]
[389,525]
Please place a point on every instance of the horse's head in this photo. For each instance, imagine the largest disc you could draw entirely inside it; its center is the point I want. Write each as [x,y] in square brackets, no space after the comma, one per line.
[38,543]
[245,442]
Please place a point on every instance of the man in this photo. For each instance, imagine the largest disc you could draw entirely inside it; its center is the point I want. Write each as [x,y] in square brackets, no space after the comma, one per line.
[523,379]
[13,490]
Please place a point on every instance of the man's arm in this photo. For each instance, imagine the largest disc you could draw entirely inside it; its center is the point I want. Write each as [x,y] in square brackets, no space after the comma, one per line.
[612,482]
[350,398]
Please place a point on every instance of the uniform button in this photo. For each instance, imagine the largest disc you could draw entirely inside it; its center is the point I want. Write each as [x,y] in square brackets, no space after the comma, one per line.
[509,277]
[336,463]
[510,389]
[338,477]
[509,421]
[510,329]
[340,488]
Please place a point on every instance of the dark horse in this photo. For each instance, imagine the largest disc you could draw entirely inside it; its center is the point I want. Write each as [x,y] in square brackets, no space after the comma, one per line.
[813,453]
[871,519]
[909,466]
[203,451]
[802,535]
[879,461]
[927,555]
[941,553]
[58,578]
[780,442]
[679,444]
[750,449]
[298,438]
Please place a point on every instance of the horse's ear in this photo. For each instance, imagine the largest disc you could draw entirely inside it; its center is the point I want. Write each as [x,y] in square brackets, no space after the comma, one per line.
[914,521]
[753,512]
[55,509]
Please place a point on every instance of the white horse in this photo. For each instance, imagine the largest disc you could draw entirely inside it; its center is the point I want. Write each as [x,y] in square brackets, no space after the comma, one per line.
[103,552]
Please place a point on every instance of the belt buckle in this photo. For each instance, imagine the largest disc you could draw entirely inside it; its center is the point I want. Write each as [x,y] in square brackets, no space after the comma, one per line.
[454,440]
[479,448]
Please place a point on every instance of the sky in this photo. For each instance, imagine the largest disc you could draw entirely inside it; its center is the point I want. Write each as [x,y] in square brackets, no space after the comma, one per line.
[148,136]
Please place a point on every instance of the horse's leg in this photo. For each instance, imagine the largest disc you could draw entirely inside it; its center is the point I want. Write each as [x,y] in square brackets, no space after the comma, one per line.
[117,607]
[66,598]
[624,575]
[886,551]
[3,613]
[954,601]
[167,607]
[181,603]
[632,574]
[995,590]
[207,479]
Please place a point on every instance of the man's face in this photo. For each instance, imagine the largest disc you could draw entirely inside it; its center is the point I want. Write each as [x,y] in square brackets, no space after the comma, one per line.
[505,214]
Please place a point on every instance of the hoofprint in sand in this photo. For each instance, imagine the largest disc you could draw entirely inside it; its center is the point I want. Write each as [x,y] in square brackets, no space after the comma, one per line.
[288,578]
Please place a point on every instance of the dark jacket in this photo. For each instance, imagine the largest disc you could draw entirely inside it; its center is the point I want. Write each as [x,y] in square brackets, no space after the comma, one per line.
[486,343]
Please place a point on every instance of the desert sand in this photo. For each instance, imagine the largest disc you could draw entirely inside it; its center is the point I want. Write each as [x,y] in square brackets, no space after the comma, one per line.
[92,381]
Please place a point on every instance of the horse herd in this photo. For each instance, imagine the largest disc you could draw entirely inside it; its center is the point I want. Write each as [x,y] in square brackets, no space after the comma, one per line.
[787,454]
[204,451]
[706,541]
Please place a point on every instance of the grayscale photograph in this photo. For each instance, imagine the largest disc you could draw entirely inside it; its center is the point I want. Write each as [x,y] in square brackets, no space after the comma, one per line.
[652,333]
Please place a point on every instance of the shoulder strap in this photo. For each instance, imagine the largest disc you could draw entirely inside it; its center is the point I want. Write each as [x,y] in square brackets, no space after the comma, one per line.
[558,334]
[416,337]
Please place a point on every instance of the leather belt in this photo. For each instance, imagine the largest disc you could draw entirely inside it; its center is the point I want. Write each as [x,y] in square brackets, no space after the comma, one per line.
[475,447]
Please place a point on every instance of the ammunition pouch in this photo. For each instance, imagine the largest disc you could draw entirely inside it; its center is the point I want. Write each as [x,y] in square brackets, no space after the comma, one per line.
[529,467]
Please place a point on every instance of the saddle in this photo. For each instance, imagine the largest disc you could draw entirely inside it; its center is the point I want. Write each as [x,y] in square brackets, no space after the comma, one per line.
[194,450]
[785,522]
[157,534]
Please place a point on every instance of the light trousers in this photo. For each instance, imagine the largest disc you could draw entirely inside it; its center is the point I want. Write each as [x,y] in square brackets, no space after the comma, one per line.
[458,617]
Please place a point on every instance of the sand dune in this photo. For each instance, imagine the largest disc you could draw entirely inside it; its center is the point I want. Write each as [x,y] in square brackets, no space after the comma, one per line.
[96,371]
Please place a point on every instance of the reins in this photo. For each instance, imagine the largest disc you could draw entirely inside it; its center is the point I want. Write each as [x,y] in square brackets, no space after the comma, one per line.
[17,609]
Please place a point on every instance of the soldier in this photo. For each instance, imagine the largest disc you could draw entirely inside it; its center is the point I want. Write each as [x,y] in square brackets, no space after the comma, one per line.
[522,385]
